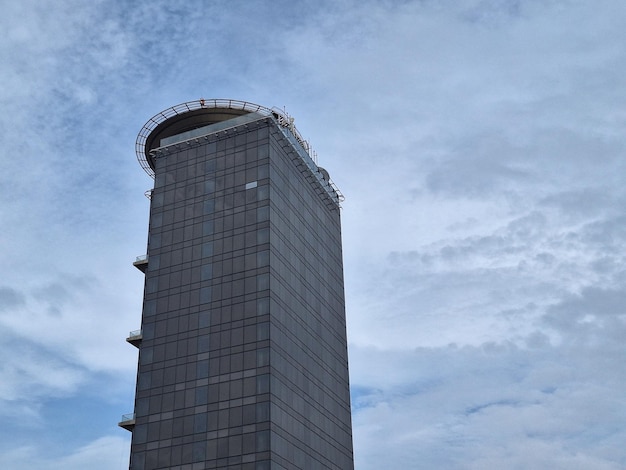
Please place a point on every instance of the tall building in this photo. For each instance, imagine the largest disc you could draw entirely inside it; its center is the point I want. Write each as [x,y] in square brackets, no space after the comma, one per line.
[242,348]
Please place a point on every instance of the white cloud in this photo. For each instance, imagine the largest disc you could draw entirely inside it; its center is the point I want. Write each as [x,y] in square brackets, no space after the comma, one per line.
[29,373]
[469,406]
[105,453]
[489,404]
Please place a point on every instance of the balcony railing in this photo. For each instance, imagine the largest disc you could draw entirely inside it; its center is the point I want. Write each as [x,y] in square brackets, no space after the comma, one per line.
[127,422]
[141,263]
[135,337]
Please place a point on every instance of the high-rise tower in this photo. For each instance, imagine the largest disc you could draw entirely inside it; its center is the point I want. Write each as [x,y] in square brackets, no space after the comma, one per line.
[242,348]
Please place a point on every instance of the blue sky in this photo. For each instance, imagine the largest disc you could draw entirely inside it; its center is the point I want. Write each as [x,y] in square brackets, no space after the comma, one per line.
[479,144]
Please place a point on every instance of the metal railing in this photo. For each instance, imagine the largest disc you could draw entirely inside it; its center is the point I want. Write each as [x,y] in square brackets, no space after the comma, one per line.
[128,417]
[284,120]
[135,334]
[281,117]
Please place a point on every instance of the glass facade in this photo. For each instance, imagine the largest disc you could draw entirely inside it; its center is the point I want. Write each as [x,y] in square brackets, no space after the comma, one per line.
[243,357]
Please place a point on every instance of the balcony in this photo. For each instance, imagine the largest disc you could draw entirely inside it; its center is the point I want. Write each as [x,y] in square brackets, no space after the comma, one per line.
[127,422]
[135,337]
[141,263]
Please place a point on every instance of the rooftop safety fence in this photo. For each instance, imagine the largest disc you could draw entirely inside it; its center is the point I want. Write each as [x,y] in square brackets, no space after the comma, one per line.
[283,119]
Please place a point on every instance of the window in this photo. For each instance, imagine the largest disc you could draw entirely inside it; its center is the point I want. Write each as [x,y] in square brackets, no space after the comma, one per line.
[262,443]
[207,249]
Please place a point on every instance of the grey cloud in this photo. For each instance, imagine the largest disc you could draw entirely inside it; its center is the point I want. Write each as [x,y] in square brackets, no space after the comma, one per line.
[587,202]
[607,234]
[492,12]
[475,176]
[521,238]
[10,298]
[594,316]
[65,289]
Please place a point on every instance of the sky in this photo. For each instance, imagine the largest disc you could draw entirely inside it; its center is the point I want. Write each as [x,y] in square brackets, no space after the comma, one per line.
[479,145]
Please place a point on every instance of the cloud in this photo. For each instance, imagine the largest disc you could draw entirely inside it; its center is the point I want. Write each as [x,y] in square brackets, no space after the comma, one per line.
[105,453]
[56,342]
[30,373]
[10,298]
[62,317]
[478,405]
